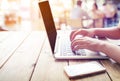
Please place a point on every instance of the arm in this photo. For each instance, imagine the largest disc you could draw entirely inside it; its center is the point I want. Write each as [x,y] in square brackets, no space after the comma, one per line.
[111,50]
[113,33]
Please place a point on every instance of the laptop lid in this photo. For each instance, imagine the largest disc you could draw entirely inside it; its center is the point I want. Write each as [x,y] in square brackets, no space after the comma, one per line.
[49,23]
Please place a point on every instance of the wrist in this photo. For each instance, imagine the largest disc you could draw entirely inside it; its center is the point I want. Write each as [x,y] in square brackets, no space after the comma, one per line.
[102,46]
[98,32]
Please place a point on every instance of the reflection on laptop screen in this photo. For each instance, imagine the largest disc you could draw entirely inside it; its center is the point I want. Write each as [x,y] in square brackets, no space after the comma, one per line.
[49,23]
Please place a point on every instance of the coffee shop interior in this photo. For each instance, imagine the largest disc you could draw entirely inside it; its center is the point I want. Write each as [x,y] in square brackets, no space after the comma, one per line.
[25,15]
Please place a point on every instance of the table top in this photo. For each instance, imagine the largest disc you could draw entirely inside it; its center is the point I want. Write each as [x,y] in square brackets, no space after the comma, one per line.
[26,56]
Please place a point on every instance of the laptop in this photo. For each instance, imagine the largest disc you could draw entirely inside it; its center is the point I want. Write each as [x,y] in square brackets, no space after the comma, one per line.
[60,41]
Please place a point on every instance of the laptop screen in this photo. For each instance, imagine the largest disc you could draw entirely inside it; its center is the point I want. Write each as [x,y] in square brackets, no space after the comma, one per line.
[49,23]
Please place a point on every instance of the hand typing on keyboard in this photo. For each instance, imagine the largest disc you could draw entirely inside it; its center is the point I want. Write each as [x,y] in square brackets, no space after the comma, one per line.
[81,33]
[76,52]
[86,43]
[90,43]
[78,36]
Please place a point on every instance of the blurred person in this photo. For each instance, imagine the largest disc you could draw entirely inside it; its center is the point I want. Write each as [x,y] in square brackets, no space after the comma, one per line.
[110,12]
[97,15]
[78,12]
[88,42]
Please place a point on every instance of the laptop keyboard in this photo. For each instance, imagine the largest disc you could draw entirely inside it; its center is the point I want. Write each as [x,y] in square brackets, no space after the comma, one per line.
[66,48]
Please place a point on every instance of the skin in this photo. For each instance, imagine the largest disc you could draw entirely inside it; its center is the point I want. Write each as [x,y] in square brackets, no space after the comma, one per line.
[89,42]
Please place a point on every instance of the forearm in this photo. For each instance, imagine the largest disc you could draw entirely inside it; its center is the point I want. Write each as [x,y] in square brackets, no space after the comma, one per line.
[108,32]
[112,51]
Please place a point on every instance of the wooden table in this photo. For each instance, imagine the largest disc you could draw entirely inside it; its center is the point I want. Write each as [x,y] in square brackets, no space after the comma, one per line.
[26,56]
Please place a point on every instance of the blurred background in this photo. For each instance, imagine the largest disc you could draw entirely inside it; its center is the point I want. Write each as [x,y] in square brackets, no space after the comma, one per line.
[24,15]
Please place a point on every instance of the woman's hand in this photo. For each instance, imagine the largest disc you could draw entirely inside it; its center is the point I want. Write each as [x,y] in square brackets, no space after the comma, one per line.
[87,43]
[83,32]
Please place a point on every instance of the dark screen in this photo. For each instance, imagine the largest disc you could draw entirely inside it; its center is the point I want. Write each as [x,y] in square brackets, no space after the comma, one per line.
[49,23]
